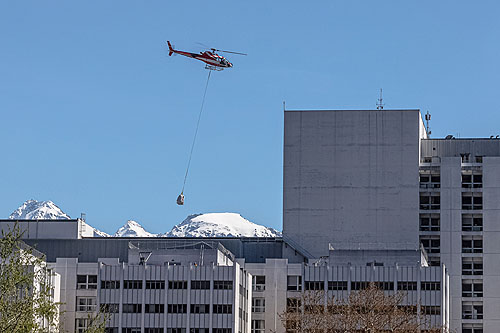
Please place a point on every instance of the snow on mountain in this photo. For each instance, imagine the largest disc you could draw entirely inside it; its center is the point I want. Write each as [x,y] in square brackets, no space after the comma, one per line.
[90,231]
[133,229]
[38,210]
[220,225]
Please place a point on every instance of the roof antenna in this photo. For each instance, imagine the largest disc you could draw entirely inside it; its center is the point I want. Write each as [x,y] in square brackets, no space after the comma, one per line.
[427,120]
[380,105]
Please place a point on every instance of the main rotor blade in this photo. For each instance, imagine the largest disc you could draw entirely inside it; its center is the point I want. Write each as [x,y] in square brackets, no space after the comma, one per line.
[232,52]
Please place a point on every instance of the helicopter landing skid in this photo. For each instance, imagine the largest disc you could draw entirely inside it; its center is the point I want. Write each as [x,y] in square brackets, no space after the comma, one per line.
[213,68]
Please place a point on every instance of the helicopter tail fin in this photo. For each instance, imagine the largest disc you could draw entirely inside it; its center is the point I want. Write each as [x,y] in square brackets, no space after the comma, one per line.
[170,48]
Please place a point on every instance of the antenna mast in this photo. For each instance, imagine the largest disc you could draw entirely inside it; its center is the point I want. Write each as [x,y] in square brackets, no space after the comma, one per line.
[380,105]
[427,120]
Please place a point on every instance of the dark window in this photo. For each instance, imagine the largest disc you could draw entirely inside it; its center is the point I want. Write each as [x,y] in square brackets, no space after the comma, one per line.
[472,266]
[472,244]
[430,222]
[222,330]
[110,307]
[430,285]
[200,308]
[200,285]
[177,308]
[407,285]
[337,285]
[472,201]
[430,201]
[110,284]
[132,308]
[259,283]
[132,284]
[431,244]
[359,285]
[294,283]
[154,308]
[153,330]
[314,285]
[472,288]
[86,282]
[293,304]
[472,222]
[223,308]
[155,284]
[177,284]
[431,310]
[223,285]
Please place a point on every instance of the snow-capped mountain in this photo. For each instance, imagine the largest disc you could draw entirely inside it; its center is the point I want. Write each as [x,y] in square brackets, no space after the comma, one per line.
[38,210]
[220,225]
[133,229]
[197,225]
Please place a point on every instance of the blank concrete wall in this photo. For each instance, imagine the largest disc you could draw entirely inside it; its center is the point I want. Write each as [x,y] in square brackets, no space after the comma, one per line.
[351,179]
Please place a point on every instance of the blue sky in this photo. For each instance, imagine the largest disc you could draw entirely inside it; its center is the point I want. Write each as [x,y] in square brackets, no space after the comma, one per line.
[96,117]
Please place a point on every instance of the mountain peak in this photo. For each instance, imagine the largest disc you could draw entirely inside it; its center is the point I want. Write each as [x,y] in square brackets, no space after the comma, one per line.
[133,229]
[220,225]
[38,210]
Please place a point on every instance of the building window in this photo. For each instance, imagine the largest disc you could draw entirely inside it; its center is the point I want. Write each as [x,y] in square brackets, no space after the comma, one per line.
[111,330]
[132,284]
[153,330]
[222,330]
[259,282]
[472,201]
[131,330]
[258,326]
[86,282]
[430,222]
[82,324]
[258,304]
[154,308]
[359,285]
[223,308]
[472,288]
[337,285]
[407,285]
[199,330]
[431,310]
[177,308]
[428,180]
[472,310]
[314,285]
[223,285]
[294,283]
[176,330]
[132,308]
[472,328]
[472,222]
[200,308]
[430,201]
[177,285]
[472,244]
[110,307]
[86,304]
[472,266]
[472,180]
[293,304]
[430,285]
[433,261]
[110,284]
[200,285]
[431,243]
[155,284]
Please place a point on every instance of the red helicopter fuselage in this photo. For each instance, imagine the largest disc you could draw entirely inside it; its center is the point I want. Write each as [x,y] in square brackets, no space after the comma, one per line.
[208,57]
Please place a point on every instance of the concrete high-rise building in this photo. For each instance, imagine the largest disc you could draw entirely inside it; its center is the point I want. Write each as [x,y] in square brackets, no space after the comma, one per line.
[373,179]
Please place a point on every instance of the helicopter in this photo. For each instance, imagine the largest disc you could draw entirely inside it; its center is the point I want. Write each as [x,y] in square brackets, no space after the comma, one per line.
[212,60]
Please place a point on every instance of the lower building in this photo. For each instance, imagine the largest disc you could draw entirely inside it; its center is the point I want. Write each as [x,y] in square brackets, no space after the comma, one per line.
[222,285]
